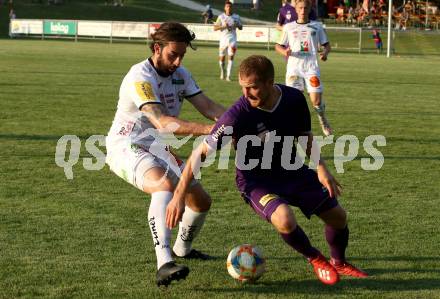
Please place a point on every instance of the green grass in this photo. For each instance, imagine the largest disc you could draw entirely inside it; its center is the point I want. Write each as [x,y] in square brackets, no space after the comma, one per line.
[88,237]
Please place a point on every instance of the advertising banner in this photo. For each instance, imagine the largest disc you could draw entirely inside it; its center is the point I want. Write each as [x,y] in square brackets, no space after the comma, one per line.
[130,29]
[95,28]
[59,27]
[204,32]
[253,34]
[275,35]
[26,26]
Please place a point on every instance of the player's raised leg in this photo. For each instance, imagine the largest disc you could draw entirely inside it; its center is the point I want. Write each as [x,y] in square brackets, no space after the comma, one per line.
[156,182]
[337,235]
[197,204]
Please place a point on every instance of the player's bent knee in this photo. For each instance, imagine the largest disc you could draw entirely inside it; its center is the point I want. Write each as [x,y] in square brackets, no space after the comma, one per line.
[335,217]
[283,219]
[155,180]
[198,200]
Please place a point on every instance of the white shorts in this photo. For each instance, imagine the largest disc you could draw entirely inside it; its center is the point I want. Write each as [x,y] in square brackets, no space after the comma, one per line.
[300,71]
[132,162]
[227,44]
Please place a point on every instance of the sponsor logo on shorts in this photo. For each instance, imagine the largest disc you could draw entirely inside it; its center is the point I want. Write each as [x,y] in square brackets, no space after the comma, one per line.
[267,198]
[145,91]
[314,81]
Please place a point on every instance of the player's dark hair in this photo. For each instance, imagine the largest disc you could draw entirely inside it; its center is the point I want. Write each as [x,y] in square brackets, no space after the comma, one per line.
[172,32]
[228,2]
[257,65]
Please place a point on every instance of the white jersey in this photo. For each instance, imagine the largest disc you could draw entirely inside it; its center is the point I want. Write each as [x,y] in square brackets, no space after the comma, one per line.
[143,86]
[233,21]
[303,39]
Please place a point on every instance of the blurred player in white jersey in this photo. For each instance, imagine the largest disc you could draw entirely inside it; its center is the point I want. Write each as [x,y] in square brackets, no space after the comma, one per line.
[227,23]
[300,42]
[150,99]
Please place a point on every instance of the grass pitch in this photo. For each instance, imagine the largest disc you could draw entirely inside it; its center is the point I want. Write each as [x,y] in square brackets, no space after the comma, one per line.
[88,237]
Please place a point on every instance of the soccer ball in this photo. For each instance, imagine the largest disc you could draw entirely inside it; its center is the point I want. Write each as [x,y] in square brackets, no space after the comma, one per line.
[246,263]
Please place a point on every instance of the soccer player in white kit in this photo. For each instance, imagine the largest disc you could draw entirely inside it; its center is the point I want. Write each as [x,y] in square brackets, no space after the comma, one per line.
[227,23]
[300,42]
[150,99]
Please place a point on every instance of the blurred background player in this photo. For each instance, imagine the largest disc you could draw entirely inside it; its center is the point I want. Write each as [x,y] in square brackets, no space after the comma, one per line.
[300,42]
[265,108]
[150,99]
[287,14]
[227,23]
[377,40]
[208,15]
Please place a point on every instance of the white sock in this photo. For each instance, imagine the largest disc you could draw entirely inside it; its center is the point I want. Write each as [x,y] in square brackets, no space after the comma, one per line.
[229,68]
[189,228]
[222,68]
[157,222]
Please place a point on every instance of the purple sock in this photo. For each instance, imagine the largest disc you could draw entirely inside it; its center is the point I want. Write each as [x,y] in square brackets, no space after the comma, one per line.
[337,240]
[298,240]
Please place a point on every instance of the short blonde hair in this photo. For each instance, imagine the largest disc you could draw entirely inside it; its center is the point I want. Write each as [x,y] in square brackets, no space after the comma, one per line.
[308,2]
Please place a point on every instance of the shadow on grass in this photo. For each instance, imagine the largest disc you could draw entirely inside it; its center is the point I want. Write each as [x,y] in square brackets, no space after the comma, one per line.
[313,286]
[376,282]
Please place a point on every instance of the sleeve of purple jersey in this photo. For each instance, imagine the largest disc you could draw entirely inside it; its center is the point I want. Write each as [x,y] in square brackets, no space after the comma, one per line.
[224,126]
[280,18]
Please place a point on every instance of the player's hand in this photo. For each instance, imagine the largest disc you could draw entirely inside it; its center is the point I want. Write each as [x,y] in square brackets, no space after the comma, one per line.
[174,211]
[288,52]
[329,181]
[323,56]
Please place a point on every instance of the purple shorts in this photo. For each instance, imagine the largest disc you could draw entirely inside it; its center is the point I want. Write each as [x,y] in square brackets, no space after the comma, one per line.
[303,191]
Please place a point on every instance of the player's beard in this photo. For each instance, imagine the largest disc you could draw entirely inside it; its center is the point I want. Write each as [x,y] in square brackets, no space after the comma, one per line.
[164,69]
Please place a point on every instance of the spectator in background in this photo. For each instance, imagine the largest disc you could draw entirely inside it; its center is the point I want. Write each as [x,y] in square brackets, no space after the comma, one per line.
[12,16]
[350,15]
[340,14]
[208,16]
[256,5]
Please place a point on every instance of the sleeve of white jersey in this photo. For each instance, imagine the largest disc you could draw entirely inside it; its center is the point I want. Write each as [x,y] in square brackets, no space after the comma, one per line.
[142,92]
[322,35]
[284,40]
[191,87]
[218,21]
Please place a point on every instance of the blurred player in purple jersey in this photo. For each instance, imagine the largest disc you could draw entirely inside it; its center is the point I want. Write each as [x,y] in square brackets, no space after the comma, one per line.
[270,116]
[287,14]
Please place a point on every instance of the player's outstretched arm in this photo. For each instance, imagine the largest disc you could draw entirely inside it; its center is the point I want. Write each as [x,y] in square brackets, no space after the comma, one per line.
[157,116]
[176,206]
[207,107]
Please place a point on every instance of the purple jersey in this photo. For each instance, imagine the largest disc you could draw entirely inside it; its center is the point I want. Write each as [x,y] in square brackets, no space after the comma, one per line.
[287,14]
[290,117]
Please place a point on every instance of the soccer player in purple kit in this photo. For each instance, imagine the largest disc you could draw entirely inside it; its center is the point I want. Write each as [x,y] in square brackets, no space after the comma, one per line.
[287,14]
[271,115]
